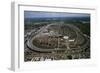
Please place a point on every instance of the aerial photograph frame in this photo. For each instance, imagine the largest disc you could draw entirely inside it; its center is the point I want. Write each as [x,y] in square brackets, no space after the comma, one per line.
[51,35]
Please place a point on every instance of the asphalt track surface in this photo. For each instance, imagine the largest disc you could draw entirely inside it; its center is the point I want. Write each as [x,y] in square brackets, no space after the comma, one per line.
[80,37]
